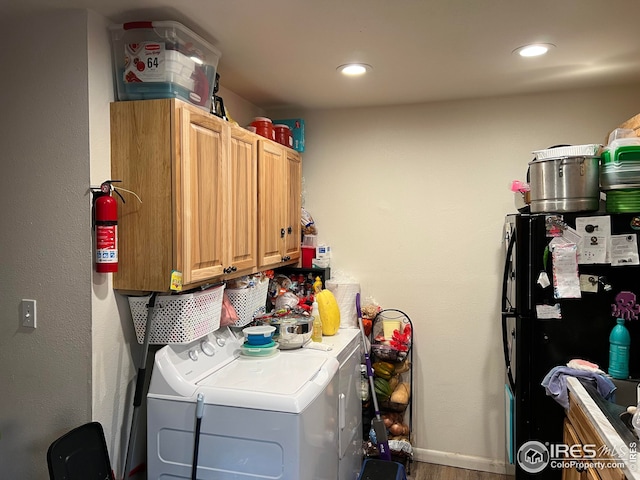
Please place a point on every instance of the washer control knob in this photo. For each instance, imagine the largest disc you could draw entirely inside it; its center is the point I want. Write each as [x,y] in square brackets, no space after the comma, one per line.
[193,354]
[208,348]
[220,341]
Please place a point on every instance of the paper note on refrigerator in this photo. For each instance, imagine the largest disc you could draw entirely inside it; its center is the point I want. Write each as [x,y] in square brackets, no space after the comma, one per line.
[595,244]
[548,311]
[566,281]
[589,283]
[624,250]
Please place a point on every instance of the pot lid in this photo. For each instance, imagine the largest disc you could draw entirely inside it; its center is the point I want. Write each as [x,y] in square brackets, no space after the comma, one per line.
[561,151]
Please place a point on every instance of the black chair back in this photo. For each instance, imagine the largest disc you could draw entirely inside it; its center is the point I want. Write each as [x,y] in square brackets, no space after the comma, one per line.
[80,454]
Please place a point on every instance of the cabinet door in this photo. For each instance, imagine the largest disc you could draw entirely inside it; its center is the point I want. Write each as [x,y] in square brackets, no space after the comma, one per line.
[243,199]
[571,438]
[271,203]
[293,191]
[201,180]
[142,158]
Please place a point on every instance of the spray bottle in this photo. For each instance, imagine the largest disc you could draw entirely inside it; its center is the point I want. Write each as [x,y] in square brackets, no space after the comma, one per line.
[316,334]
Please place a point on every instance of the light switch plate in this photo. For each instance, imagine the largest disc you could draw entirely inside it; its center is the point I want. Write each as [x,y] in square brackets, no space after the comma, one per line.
[28,313]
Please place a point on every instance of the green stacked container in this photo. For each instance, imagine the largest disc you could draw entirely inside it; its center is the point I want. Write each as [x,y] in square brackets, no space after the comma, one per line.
[620,179]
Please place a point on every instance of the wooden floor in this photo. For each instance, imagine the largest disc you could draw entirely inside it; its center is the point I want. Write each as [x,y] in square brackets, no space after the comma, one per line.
[430,471]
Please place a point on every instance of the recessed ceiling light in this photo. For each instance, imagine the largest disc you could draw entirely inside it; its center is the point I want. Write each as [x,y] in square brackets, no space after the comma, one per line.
[534,50]
[354,69]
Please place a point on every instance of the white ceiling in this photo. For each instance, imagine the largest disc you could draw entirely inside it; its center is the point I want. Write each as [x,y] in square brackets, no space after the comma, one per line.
[284,53]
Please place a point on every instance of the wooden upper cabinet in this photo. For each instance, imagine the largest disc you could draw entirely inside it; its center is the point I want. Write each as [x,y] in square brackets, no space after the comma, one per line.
[197,181]
[279,190]
[217,202]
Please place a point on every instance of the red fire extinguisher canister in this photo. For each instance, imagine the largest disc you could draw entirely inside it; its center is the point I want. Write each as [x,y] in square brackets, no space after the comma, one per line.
[106,225]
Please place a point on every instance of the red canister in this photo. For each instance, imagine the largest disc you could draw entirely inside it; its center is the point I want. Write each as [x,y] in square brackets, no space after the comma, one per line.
[264,127]
[284,135]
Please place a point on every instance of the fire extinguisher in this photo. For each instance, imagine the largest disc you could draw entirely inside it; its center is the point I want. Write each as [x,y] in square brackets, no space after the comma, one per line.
[106,228]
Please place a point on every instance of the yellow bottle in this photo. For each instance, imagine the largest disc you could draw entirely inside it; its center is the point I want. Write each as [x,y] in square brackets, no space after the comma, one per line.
[316,333]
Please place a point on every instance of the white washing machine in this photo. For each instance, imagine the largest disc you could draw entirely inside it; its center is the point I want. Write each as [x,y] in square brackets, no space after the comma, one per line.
[263,418]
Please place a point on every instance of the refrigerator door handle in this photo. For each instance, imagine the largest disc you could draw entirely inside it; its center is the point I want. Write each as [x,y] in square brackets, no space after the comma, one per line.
[505,277]
[505,349]
[507,311]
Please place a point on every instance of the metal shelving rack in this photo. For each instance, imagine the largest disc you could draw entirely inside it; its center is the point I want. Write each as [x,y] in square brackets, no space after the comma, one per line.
[380,353]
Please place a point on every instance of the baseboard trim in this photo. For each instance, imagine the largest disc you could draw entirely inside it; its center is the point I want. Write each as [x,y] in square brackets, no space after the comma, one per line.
[462,461]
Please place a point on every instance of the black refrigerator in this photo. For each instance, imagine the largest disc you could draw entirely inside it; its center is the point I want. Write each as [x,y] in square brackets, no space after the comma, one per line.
[535,340]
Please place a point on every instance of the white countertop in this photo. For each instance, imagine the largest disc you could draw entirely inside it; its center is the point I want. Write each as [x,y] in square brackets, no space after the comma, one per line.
[604,428]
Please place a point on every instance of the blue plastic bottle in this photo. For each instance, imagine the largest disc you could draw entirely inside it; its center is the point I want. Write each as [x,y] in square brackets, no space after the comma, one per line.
[619,342]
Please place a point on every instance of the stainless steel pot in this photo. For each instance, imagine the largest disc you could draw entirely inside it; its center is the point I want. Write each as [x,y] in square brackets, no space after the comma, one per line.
[567,184]
[291,331]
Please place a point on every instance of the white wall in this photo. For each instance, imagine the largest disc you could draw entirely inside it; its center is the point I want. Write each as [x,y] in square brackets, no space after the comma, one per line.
[115,351]
[45,374]
[412,201]
[423,188]
[238,109]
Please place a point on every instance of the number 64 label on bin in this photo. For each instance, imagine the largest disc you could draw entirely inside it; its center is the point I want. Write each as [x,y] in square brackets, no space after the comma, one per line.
[144,62]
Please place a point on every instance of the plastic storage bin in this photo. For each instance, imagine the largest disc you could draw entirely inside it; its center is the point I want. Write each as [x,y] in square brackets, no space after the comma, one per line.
[178,319]
[376,469]
[249,302]
[163,60]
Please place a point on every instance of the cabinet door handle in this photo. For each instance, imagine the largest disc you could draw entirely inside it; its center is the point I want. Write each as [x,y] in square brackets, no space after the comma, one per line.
[285,258]
[289,230]
[234,268]
[282,233]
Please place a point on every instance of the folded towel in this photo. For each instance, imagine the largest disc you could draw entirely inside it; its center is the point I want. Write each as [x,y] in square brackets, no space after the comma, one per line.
[555,383]
[579,364]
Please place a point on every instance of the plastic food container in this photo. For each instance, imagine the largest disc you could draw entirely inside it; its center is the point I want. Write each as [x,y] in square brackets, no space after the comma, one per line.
[259,335]
[621,175]
[283,135]
[266,350]
[620,168]
[264,127]
[163,59]
[624,154]
[623,201]
[297,130]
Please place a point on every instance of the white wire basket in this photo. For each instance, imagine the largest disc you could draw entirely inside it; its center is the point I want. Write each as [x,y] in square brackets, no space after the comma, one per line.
[249,302]
[178,319]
